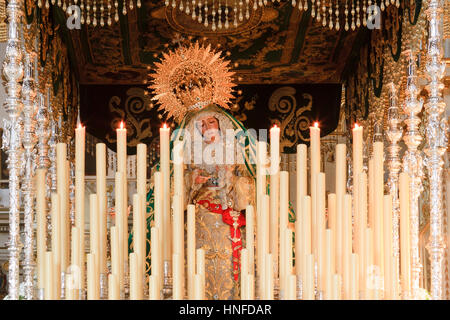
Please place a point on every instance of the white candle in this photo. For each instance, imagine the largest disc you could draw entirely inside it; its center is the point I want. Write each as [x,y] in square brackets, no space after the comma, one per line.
[115,255]
[244,273]
[346,244]
[308,278]
[156,255]
[368,263]
[139,235]
[113,287]
[306,231]
[164,134]
[56,245]
[49,285]
[198,287]
[328,269]
[388,249]
[61,187]
[101,198]
[341,166]
[75,270]
[191,249]
[292,287]
[336,287]
[141,172]
[91,275]
[332,226]
[122,168]
[274,192]
[357,169]
[159,218]
[153,288]
[320,229]
[79,193]
[41,225]
[300,210]
[177,277]
[120,225]
[94,233]
[268,283]
[362,225]
[405,240]
[284,220]
[354,286]
[378,204]
[315,161]
[201,267]
[135,278]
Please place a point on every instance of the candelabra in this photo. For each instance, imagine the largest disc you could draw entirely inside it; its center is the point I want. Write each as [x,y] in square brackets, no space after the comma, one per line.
[436,142]
[393,135]
[29,141]
[13,72]
[412,164]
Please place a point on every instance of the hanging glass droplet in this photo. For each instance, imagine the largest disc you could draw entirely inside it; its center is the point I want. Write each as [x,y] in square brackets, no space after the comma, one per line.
[181,7]
[138,3]
[124,8]
[346,27]
[353,16]
[131,5]
[358,21]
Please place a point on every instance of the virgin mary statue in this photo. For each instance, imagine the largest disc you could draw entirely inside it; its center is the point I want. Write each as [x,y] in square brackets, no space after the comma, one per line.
[193,84]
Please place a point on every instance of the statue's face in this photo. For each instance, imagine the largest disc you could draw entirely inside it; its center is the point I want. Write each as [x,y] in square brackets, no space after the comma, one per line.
[210,129]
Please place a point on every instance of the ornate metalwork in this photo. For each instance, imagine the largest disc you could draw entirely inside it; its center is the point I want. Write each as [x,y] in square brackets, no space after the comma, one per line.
[29,141]
[393,135]
[413,164]
[436,143]
[13,72]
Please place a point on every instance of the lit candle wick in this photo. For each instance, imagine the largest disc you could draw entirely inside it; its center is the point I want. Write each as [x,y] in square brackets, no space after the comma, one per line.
[121,124]
[316,124]
[356,126]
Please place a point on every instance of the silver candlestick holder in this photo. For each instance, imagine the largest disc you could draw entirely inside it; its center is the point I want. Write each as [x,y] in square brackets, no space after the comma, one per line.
[436,143]
[413,164]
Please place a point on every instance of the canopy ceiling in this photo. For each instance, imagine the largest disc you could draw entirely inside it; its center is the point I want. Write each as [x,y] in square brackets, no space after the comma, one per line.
[279,44]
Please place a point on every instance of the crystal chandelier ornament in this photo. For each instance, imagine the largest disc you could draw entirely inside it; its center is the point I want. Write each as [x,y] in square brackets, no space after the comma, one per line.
[228,14]
[95,12]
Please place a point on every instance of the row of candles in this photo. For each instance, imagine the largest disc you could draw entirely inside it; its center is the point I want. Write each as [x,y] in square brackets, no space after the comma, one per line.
[345,254]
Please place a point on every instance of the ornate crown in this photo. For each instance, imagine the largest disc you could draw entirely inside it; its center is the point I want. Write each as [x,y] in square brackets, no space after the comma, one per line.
[190,78]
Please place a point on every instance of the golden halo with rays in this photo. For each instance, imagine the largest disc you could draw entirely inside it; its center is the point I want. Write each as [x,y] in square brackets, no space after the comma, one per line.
[190,78]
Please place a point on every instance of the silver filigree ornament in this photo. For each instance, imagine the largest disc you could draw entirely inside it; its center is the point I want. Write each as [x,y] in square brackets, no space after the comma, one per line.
[29,141]
[435,143]
[393,135]
[13,72]
[413,164]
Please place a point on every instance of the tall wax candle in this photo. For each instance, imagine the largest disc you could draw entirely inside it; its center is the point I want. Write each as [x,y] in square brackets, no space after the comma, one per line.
[164,135]
[113,287]
[346,244]
[56,244]
[405,240]
[101,206]
[388,247]
[139,234]
[368,264]
[76,263]
[354,277]
[61,187]
[48,267]
[119,223]
[305,233]
[362,225]
[156,260]
[308,278]
[378,204]
[328,266]
[141,170]
[357,169]
[332,225]
[315,159]
[115,254]
[121,133]
[198,287]
[301,192]
[244,273]
[191,249]
[80,138]
[268,285]
[371,199]
[177,277]
[320,229]
[94,232]
[337,284]
[200,265]
[135,278]
[41,226]
[284,220]
[341,179]
[91,277]
[274,190]
[153,288]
